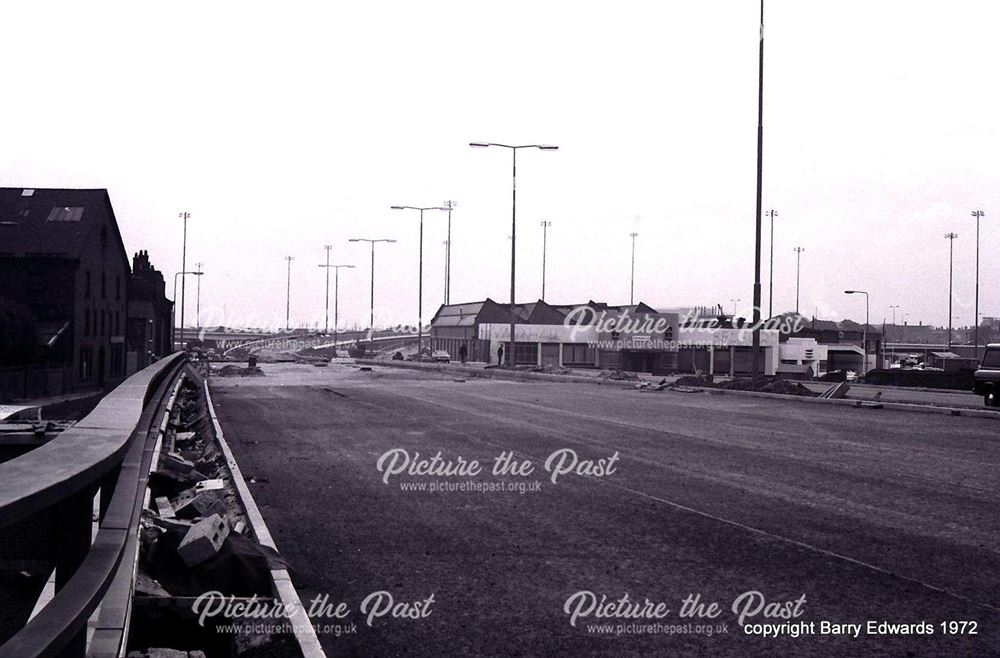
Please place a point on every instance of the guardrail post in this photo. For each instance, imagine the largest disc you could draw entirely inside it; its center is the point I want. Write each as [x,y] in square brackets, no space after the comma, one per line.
[73,520]
[108,484]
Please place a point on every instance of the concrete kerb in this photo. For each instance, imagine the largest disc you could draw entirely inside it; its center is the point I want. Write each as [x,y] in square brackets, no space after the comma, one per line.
[518,375]
[862,404]
[305,634]
[495,373]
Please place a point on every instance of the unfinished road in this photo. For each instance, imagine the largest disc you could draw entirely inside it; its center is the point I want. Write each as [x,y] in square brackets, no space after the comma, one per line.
[793,512]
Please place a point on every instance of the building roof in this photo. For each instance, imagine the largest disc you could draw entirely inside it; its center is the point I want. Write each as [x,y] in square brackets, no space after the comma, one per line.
[53,222]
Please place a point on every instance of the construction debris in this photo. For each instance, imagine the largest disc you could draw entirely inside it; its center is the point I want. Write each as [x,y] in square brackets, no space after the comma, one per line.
[203,540]
[836,392]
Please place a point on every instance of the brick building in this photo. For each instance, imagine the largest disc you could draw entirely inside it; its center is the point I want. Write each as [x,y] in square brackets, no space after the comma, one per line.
[62,258]
[149,313]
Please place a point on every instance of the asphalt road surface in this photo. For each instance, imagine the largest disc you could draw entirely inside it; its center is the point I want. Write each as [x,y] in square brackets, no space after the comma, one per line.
[820,514]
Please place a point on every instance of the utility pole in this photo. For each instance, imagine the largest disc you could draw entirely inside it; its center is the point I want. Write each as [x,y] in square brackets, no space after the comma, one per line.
[756,356]
[184,215]
[798,271]
[288,295]
[977,214]
[770,293]
[545,240]
[197,306]
[631,294]
[950,237]
[450,205]
[892,352]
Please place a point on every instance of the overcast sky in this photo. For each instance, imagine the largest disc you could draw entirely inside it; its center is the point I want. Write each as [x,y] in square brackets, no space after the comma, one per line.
[282,127]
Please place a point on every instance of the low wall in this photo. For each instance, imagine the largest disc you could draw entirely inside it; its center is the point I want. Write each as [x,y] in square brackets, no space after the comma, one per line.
[961,380]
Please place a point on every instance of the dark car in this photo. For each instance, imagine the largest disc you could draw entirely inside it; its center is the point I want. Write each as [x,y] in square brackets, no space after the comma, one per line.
[988,375]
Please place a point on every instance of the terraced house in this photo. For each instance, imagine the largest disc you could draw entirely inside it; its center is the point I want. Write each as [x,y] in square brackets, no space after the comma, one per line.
[64,275]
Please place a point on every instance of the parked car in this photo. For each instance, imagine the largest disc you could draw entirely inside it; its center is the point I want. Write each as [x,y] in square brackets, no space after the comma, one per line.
[441,356]
[987,377]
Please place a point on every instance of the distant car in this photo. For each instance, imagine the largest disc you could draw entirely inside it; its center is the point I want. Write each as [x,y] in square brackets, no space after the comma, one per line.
[441,356]
[850,376]
[987,377]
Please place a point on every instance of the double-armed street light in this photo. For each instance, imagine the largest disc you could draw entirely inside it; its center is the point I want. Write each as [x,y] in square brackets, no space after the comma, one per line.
[864,333]
[372,242]
[513,225]
[181,274]
[420,271]
[336,294]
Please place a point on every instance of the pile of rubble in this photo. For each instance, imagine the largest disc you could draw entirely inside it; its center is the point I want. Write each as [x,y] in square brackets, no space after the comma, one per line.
[619,375]
[195,537]
[231,370]
[764,385]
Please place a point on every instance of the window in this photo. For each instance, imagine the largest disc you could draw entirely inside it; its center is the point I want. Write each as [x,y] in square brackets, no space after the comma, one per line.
[86,290]
[118,323]
[118,287]
[991,359]
[526,353]
[65,214]
[86,322]
[578,353]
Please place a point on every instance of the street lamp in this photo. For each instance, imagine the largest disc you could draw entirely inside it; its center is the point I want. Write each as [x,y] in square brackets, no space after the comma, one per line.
[864,334]
[770,279]
[371,320]
[336,295]
[288,295]
[177,274]
[513,223]
[545,243]
[735,302]
[950,237]
[798,271]
[450,205]
[197,306]
[185,216]
[892,352]
[631,292]
[420,272]
[977,214]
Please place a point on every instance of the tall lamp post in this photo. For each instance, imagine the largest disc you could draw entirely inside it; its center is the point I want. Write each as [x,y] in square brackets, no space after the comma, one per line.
[326,314]
[450,205]
[288,295]
[631,292]
[545,245]
[798,271]
[950,237]
[864,333]
[420,272]
[770,279]
[513,224]
[892,352]
[184,216]
[756,356]
[197,304]
[336,296]
[735,302]
[371,317]
[177,274]
[977,214]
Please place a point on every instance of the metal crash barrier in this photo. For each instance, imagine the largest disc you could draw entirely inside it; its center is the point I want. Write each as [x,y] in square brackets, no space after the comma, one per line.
[53,487]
